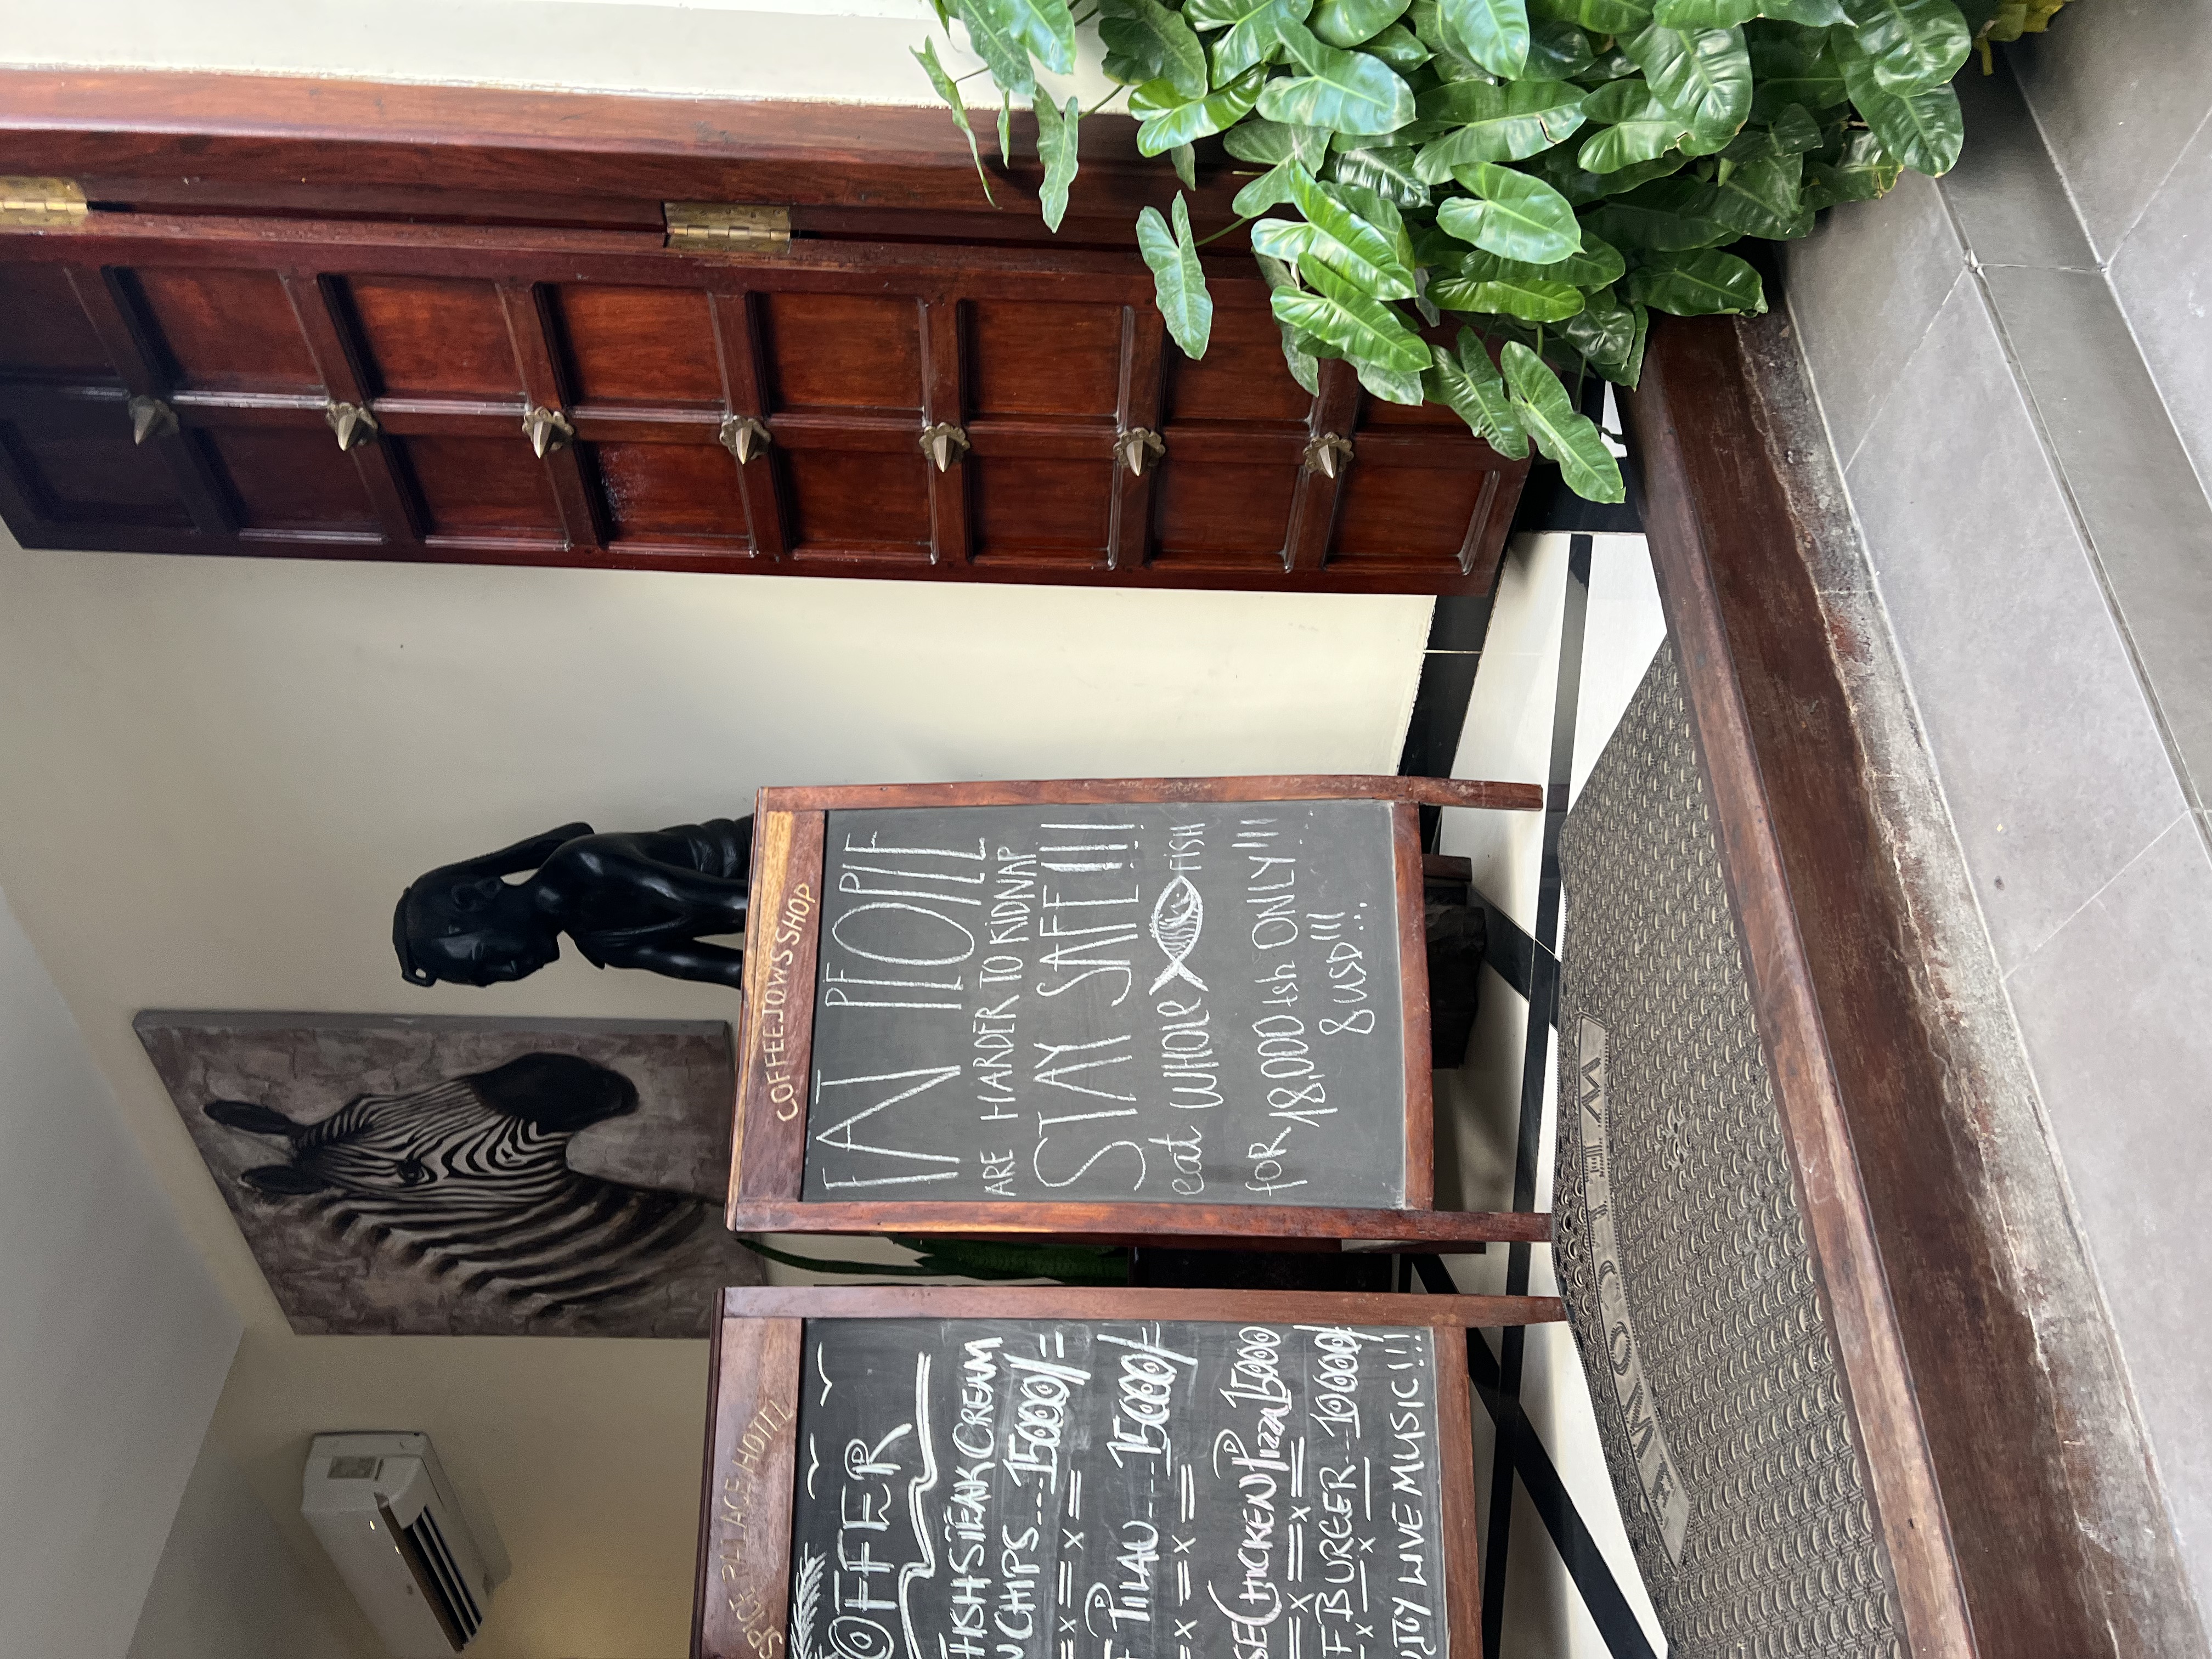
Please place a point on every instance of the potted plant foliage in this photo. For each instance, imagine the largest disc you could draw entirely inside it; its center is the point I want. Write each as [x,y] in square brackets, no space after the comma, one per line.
[1550,172]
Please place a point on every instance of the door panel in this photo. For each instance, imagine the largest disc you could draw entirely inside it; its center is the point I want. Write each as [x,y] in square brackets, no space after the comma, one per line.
[861,367]
[428,338]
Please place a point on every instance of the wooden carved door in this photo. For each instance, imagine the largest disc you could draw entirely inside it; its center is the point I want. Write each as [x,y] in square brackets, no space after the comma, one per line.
[838,403]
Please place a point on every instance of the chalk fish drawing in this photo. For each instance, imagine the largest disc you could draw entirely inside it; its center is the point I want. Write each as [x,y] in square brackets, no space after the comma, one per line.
[1177,915]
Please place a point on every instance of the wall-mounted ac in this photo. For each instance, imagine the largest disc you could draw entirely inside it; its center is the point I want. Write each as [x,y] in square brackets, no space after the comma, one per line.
[383,1508]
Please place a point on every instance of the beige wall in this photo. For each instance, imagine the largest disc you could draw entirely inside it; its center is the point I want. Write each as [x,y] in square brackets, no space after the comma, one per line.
[216,775]
[854,50]
[113,1339]
[229,1586]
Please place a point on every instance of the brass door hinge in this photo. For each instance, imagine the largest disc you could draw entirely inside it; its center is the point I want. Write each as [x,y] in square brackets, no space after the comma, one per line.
[726,224]
[41,203]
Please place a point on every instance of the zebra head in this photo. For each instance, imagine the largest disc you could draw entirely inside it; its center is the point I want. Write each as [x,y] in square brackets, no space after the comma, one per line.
[497,1138]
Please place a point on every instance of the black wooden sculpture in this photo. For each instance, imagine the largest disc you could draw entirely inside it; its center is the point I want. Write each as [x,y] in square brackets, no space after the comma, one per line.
[649,900]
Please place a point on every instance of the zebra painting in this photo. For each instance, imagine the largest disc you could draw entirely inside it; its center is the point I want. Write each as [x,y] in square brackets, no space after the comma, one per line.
[460,1206]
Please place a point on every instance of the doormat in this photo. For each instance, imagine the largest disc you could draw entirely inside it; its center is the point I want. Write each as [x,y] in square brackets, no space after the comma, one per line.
[1679,1245]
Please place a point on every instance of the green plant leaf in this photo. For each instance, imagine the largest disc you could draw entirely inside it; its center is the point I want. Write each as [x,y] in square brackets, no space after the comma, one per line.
[1252,30]
[1599,264]
[1389,171]
[1559,168]
[1923,129]
[1006,129]
[1666,216]
[1271,189]
[1305,368]
[1493,33]
[1056,148]
[1797,69]
[1178,279]
[1432,247]
[1912,44]
[1470,386]
[1556,50]
[1007,58]
[951,93]
[1363,328]
[1809,14]
[1215,113]
[1639,127]
[1287,240]
[1151,98]
[1703,14]
[1515,215]
[1794,131]
[1761,198]
[1269,143]
[1609,335]
[1363,253]
[1505,289]
[1701,74]
[1570,439]
[1344,91]
[1185,160]
[1706,284]
[1399,47]
[1379,211]
[1495,123]
[1349,23]
[1145,41]
[1611,65]
[1044,26]
[1599,16]
[1359,326]
[1862,172]
[1393,385]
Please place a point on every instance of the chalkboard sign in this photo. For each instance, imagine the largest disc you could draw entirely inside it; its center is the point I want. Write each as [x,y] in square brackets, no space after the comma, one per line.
[953,1474]
[1056,1007]
[1117,1002]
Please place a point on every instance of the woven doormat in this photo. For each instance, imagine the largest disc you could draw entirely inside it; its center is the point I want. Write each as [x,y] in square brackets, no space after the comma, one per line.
[1681,1248]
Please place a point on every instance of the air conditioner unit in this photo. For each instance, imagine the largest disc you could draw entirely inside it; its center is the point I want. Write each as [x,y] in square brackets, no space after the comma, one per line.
[383,1508]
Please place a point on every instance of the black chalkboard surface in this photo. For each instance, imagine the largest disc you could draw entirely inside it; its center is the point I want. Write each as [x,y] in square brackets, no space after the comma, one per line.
[1002,1471]
[1112,1008]
[1116,1489]
[1196,1001]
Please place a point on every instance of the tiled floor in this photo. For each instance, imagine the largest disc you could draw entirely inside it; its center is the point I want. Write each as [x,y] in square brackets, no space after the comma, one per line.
[1508,735]
[2013,365]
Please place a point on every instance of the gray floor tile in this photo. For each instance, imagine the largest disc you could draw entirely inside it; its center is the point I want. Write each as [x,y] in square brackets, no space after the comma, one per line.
[2146,514]
[2120,87]
[2005,193]
[2053,768]
[1862,290]
[2163,279]
[2113,1013]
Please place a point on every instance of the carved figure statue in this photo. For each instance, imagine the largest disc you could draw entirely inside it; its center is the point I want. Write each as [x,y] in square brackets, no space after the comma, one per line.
[649,899]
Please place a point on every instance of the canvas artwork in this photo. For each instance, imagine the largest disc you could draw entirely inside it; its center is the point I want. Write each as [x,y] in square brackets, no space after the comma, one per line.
[412,1175]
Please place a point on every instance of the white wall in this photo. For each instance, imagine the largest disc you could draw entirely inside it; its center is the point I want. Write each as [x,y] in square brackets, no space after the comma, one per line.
[229,1587]
[852,51]
[113,1339]
[216,775]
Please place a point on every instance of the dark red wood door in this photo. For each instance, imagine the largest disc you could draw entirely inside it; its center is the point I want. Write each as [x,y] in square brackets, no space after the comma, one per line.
[174,384]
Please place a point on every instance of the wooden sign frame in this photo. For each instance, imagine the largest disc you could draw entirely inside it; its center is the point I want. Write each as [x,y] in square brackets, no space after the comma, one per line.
[774,1036]
[740,1608]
